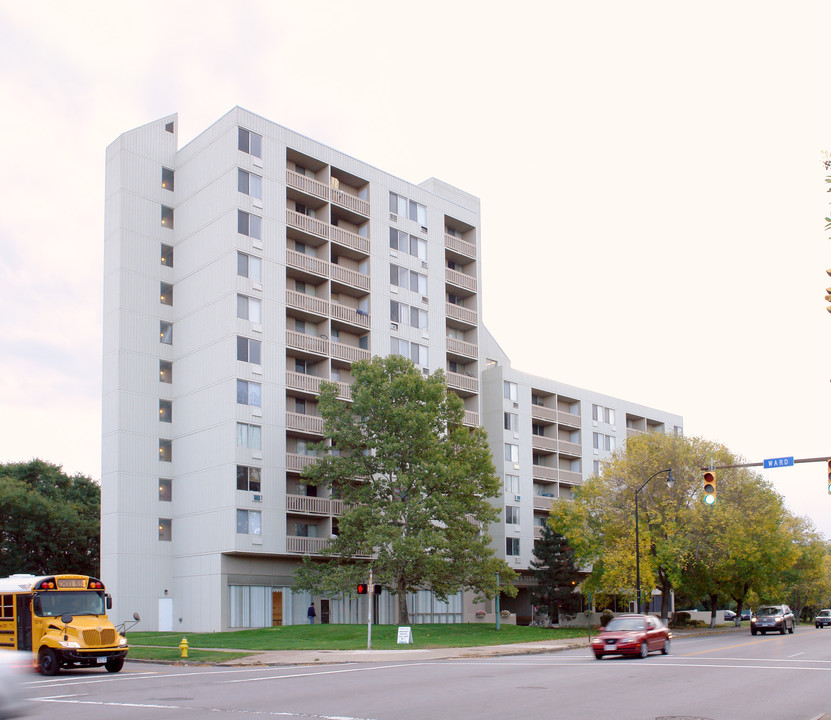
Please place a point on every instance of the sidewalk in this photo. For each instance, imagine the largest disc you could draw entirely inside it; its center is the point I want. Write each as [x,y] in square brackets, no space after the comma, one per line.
[328,657]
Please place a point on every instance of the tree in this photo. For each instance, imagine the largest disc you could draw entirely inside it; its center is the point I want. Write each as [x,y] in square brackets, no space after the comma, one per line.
[556,575]
[415,485]
[49,521]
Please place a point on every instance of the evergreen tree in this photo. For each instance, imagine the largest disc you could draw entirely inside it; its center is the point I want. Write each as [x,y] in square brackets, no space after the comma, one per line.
[556,575]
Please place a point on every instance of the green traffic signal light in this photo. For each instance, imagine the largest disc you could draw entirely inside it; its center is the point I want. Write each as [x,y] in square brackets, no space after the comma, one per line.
[710,487]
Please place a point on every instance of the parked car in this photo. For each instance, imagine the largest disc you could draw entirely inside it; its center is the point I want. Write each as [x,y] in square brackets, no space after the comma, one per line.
[823,618]
[771,618]
[729,615]
[635,635]
[746,614]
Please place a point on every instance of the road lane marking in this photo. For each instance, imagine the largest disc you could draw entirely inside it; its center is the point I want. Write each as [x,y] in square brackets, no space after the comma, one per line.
[327,672]
[796,654]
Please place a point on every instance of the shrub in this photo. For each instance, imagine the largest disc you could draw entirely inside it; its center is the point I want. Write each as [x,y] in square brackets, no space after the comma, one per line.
[605,617]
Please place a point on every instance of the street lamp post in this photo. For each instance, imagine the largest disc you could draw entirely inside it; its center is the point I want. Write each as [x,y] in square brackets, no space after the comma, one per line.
[670,482]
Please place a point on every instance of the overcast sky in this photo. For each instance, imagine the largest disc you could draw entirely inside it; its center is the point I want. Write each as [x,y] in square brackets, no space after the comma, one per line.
[650,173]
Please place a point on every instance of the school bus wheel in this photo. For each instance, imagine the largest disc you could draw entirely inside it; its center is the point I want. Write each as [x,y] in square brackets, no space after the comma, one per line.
[48,662]
[114,664]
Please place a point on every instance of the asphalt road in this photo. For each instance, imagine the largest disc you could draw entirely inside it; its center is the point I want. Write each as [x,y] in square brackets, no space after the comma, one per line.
[720,677]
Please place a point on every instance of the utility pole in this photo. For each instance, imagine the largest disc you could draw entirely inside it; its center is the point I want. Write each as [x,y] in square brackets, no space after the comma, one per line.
[369,597]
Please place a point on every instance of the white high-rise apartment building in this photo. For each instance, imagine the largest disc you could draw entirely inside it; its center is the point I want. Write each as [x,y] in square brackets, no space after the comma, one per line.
[240,271]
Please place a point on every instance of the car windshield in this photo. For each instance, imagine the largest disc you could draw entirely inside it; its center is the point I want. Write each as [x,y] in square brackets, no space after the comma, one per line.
[824,613]
[57,603]
[768,611]
[625,624]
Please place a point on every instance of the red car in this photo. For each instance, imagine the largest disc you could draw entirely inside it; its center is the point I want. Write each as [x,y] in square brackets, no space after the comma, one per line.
[635,635]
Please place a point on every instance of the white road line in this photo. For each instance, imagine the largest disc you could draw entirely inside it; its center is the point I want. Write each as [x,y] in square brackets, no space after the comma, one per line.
[327,672]
[65,699]
[796,654]
[65,680]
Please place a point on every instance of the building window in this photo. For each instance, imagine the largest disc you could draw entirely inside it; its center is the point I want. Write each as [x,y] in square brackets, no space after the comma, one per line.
[249,350]
[166,333]
[512,515]
[402,277]
[603,442]
[538,430]
[305,530]
[249,522]
[165,371]
[510,390]
[512,484]
[168,127]
[166,450]
[511,422]
[249,184]
[165,489]
[511,453]
[399,205]
[603,414]
[167,216]
[250,143]
[417,353]
[248,224]
[248,478]
[249,266]
[249,436]
[166,293]
[410,244]
[165,411]
[167,255]
[248,308]
[512,546]
[406,315]
[249,393]
[167,179]
[165,529]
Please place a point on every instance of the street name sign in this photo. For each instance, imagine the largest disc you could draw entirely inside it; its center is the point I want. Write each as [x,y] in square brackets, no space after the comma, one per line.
[779,462]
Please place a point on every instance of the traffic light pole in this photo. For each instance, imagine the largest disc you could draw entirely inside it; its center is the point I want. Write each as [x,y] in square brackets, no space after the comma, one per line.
[369,596]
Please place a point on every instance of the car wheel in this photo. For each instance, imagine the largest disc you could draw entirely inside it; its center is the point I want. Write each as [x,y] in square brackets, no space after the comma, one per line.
[644,649]
[791,629]
[598,656]
[48,663]
[665,648]
[818,626]
[752,631]
[782,630]
[113,665]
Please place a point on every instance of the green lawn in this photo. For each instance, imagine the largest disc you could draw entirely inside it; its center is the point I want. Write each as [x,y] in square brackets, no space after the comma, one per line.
[353,637]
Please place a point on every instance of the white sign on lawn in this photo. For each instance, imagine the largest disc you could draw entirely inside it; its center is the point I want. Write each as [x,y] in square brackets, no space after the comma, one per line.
[405,636]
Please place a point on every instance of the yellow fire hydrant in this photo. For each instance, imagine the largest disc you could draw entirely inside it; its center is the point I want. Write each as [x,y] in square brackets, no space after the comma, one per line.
[183,647]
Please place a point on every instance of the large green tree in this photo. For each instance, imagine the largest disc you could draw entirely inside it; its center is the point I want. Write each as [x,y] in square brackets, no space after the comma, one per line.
[556,575]
[49,521]
[415,485]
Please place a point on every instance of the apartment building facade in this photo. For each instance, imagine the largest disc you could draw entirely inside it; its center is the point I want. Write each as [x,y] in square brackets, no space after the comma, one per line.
[240,271]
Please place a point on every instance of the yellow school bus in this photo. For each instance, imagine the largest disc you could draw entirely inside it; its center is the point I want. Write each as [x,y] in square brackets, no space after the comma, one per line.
[62,620]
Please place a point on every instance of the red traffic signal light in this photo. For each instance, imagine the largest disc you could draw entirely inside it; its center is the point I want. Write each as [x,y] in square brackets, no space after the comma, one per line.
[709,487]
[363,589]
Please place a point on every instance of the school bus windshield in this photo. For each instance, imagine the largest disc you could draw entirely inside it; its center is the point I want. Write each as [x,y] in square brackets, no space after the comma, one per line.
[56,603]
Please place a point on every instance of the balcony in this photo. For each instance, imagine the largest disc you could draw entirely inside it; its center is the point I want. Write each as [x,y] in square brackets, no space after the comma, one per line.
[567,418]
[350,202]
[350,239]
[538,412]
[540,442]
[349,353]
[309,303]
[349,277]
[311,384]
[308,185]
[462,314]
[543,472]
[567,477]
[350,315]
[305,545]
[463,247]
[459,279]
[307,224]
[543,503]
[570,448]
[313,505]
[304,423]
[307,263]
[308,343]
[460,347]
[471,418]
[465,383]
[296,463]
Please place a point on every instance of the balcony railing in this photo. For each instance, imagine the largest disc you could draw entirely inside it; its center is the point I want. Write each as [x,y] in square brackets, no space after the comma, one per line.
[350,277]
[460,347]
[541,442]
[543,413]
[462,247]
[543,503]
[310,303]
[308,505]
[351,202]
[307,224]
[309,343]
[349,352]
[471,418]
[468,282]
[311,384]
[544,472]
[572,448]
[350,315]
[570,478]
[463,314]
[309,263]
[462,382]
[297,462]
[304,423]
[350,239]
[567,418]
[308,185]
[305,545]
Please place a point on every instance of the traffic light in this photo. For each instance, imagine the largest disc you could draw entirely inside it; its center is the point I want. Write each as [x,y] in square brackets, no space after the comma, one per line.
[710,486]
[376,589]
[363,589]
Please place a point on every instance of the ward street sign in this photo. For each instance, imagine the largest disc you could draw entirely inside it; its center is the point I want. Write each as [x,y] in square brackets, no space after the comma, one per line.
[779,462]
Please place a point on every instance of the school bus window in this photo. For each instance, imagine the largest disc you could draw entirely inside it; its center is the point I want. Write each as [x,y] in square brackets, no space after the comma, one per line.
[7,609]
[57,603]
